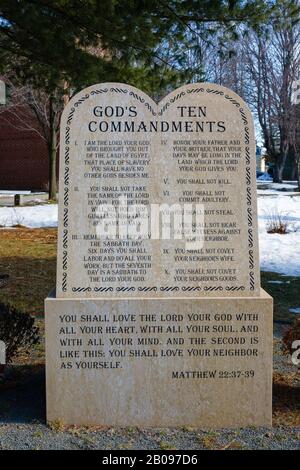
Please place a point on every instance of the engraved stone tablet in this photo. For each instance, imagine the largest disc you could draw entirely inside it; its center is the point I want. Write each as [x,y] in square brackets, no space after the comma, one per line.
[158,318]
[193,153]
[160,362]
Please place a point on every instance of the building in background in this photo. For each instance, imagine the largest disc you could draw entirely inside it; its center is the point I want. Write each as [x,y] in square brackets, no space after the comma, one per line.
[23,158]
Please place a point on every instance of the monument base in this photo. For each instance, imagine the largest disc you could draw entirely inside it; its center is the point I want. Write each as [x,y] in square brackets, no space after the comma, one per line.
[160,362]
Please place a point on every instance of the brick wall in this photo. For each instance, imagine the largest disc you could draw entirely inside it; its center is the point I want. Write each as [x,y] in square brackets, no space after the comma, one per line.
[23,159]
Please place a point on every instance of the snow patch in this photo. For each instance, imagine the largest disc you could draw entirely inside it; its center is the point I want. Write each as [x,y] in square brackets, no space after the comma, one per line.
[265,177]
[294,310]
[280,253]
[30,216]
[278,282]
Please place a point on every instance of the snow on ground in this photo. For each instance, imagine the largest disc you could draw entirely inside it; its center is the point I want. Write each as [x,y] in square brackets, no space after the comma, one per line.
[279,282]
[12,193]
[265,177]
[278,253]
[295,310]
[268,187]
[291,185]
[30,216]
[271,192]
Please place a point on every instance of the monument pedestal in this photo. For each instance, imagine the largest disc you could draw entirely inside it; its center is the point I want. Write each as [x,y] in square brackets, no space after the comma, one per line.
[159,361]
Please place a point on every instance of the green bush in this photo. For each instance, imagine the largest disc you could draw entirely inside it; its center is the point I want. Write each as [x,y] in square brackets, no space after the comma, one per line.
[17,330]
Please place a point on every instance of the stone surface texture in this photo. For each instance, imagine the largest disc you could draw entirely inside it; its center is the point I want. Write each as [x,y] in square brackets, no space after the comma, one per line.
[214,388]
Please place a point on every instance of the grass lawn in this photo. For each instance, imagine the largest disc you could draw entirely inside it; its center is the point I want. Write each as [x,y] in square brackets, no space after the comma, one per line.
[285,291]
[29,257]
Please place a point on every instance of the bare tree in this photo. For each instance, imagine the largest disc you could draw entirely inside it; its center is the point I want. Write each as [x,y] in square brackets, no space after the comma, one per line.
[273,61]
[295,142]
[32,110]
[227,67]
[261,66]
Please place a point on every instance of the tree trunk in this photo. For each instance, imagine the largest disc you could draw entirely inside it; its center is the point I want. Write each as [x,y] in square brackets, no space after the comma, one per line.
[52,155]
[278,171]
[280,161]
[52,166]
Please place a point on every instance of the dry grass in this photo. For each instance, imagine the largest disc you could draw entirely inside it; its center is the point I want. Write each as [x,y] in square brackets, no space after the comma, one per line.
[28,256]
[291,335]
[277,224]
[286,399]
[285,292]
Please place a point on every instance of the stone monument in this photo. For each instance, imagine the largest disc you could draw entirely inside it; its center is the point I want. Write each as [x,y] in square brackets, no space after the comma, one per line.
[158,317]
